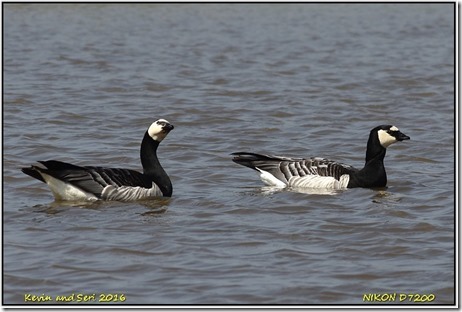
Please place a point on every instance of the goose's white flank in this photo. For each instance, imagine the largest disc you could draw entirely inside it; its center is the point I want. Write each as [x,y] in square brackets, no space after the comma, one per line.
[76,183]
[318,172]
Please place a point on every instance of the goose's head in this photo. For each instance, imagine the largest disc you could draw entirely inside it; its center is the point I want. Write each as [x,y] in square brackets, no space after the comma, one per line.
[159,129]
[388,134]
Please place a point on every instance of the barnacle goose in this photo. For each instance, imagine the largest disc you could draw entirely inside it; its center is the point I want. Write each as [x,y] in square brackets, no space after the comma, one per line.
[318,172]
[71,182]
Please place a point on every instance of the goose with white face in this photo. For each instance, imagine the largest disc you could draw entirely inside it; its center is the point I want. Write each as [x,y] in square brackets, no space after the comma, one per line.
[159,129]
[389,135]
[321,173]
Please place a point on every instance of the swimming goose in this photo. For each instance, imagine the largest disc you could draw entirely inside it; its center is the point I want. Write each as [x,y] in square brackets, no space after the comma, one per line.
[71,182]
[318,172]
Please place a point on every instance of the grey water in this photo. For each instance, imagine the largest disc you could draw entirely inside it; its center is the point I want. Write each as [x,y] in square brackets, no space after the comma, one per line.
[83,82]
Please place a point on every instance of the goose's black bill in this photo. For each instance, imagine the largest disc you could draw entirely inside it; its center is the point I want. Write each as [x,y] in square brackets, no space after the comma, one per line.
[401,136]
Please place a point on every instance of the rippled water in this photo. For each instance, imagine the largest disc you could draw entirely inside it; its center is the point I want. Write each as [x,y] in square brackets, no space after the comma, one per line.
[83,82]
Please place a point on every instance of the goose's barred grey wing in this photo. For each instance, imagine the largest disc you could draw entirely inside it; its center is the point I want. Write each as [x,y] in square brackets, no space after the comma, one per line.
[94,180]
[89,175]
[297,172]
[118,177]
[318,166]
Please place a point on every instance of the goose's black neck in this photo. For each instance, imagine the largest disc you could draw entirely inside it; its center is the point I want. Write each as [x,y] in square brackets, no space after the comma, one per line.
[373,174]
[152,167]
[375,151]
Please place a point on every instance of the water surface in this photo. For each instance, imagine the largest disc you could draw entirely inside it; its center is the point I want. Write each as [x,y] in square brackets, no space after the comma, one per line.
[82,83]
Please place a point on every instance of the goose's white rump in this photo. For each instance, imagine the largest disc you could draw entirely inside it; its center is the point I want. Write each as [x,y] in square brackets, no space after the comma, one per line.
[270,179]
[65,191]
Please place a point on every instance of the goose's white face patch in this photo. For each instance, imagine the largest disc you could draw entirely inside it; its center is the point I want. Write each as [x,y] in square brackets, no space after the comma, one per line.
[385,138]
[156,130]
